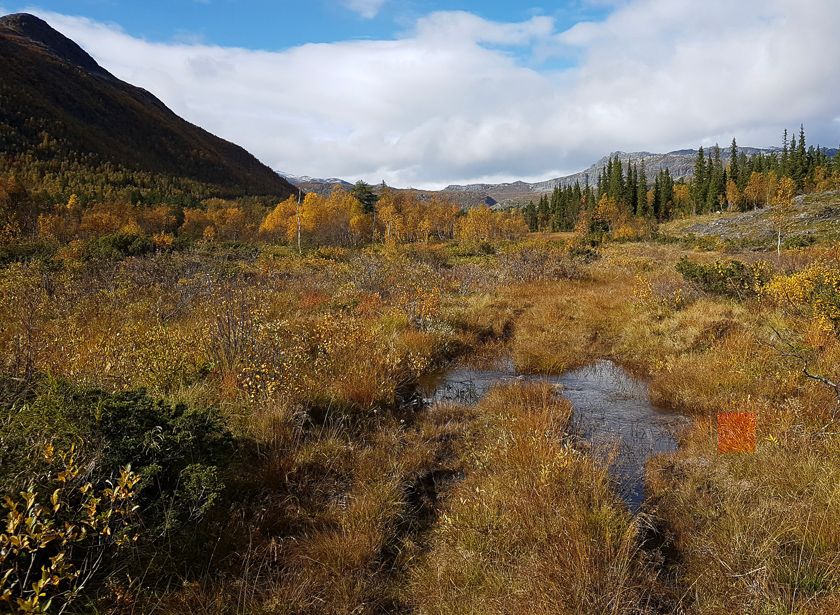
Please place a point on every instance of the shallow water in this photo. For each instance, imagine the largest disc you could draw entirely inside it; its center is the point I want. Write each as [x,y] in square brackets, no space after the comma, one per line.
[612,411]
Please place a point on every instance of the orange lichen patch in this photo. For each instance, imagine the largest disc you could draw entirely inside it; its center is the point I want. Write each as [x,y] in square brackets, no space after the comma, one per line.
[736,432]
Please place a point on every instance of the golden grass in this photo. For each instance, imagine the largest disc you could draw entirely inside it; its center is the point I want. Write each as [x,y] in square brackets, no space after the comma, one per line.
[350,510]
[754,533]
[757,532]
[534,526]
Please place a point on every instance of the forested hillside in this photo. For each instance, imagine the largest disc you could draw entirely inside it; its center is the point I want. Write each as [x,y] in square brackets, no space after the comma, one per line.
[626,199]
[67,126]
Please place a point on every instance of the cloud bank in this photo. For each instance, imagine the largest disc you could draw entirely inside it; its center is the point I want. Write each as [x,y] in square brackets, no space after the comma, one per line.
[458,98]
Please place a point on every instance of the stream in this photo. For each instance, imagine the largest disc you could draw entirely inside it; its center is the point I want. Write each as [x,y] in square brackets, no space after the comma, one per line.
[611,411]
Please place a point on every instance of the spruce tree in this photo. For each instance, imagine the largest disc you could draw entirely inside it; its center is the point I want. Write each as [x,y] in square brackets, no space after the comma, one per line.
[363,192]
[615,187]
[733,162]
[666,195]
[574,206]
[588,198]
[743,170]
[543,213]
[698,187]
[657,195]
[641,191]
[530,215]
[801,169]
[720,177]
[783,165]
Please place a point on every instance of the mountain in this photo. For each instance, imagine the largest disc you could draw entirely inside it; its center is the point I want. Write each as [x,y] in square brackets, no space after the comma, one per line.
[680,165]
[62,112]
[464,199]
[315,184]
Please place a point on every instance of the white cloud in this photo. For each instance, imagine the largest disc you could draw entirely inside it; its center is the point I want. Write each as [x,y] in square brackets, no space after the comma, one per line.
[454,99]
[366,8]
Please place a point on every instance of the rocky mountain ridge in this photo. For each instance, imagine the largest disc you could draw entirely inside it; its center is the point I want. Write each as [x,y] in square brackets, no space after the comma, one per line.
[680,164]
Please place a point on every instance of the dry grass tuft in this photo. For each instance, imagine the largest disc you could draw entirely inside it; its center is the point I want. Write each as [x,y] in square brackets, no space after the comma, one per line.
[534,527]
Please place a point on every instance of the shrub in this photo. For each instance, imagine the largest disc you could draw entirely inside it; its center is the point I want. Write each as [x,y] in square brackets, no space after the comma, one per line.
[731,278]
[169,445]
[26,251]
[813,291]
[117,246]
[799,241]
[537,263]
[60,531]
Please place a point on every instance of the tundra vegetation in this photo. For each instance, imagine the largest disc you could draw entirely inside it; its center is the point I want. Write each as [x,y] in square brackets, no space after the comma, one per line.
[200,414]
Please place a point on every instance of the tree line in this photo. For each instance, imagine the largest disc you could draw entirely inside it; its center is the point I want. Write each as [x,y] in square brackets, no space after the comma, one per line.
[734,181]
[626,199]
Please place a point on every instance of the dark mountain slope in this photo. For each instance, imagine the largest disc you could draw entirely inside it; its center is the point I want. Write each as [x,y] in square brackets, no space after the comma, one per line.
[58,106]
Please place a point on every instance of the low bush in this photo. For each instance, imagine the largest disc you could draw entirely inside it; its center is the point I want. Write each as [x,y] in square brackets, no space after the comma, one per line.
[799,241]
[61,531]
[730,278]
[539,263]
[814,292]
[26,251]
[178,453]
[117,246]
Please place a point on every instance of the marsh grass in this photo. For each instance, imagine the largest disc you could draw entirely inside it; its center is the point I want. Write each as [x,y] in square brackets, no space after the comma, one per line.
[343,498]
[534,526]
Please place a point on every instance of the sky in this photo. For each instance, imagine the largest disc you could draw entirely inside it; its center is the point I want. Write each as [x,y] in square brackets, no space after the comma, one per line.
[431,93]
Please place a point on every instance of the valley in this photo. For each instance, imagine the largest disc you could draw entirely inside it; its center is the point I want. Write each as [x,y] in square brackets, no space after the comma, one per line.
[223,391]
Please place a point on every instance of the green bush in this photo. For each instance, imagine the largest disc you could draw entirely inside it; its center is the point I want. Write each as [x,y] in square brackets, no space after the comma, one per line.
[171,447]
[731,278]
[799,241]
[117,246]
[61,531]
[26,251]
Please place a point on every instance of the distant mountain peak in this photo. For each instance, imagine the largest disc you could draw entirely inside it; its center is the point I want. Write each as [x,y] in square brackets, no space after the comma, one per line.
[679,163]
[51,40]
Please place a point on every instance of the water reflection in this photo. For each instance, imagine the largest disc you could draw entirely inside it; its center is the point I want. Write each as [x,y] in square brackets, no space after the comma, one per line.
[612,411]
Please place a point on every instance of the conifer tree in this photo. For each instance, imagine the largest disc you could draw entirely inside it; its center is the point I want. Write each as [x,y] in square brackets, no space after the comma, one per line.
[743,170]
[363,192]
[588,198]
[783,166]
[529,212]
[543,213]
[698,191]
[733,162]
[630,188]
[641,192]
[800,168]
[716,181]
[615,184]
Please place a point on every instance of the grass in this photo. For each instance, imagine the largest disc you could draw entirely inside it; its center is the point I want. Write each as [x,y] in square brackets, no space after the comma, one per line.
[814,221]
[342,497]
[754,533]
[534,527]
[757,532]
